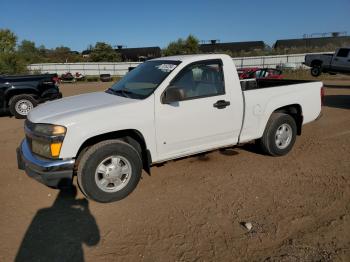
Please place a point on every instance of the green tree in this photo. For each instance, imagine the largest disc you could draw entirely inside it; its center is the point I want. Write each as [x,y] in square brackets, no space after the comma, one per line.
[8,41]
[11,63]
[103,52]
[190,45]
[61,54]
[27,46]
[29,52]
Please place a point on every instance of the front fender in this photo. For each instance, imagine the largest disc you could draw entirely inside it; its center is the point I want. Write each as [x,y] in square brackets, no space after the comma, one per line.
[86,125]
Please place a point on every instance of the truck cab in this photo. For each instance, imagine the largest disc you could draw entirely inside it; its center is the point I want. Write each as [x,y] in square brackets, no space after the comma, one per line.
[341,60]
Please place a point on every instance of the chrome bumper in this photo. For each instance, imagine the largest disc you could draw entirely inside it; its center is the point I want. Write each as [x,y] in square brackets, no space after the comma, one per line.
[52,173]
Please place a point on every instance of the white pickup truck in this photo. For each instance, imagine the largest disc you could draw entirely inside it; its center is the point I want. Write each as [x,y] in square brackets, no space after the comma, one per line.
[164,109]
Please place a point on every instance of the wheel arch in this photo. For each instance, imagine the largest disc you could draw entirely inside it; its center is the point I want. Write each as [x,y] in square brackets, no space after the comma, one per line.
[21,91]
[295,111]
[131,136]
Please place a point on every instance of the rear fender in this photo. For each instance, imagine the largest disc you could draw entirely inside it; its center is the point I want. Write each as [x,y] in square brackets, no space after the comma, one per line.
[50,93]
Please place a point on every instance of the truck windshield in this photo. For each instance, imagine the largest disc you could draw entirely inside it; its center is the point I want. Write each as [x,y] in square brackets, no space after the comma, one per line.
[144,79]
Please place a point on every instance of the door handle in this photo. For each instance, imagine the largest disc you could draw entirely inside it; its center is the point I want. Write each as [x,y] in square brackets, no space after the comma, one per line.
[335,59]
[221,104]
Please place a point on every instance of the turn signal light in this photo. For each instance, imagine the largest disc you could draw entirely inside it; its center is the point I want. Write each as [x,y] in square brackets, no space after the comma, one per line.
[55,149]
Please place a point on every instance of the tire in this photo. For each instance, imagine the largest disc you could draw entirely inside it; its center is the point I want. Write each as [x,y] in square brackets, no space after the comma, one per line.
[20,105]
[102,171]
[316,71]
[279,135]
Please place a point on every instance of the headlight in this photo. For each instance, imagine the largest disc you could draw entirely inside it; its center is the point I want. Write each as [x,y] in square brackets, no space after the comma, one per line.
[49,130]
[46,148]
[46,139]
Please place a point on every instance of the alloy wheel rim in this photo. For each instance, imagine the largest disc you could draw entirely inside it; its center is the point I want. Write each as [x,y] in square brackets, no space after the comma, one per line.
[113,173]
[283,136]
[23,107]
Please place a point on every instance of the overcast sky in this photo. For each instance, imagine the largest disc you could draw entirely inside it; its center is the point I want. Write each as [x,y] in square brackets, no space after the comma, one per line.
[77,24]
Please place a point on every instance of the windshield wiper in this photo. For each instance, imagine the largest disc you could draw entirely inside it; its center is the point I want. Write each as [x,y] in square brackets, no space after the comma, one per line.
[122,92]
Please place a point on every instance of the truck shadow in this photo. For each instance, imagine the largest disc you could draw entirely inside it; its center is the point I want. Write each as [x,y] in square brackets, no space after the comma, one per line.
[337,101]
[228,152]
[205,157]
[253,147]
[57,233]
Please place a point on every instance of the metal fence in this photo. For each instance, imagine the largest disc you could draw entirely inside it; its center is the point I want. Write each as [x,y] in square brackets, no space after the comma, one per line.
[89,69]
[285,61]
[120,69]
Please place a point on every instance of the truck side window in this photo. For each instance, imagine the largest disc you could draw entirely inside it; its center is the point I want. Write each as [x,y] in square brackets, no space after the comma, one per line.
[343,52]
[201,80]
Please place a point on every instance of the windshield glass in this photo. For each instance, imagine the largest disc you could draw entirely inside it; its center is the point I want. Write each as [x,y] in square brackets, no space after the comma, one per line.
[144,79]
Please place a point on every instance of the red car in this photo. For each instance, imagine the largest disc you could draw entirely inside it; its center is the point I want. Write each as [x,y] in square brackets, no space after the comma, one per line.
[255,72]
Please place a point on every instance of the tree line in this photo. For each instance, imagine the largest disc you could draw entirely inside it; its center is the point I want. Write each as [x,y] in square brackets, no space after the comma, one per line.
[14,56]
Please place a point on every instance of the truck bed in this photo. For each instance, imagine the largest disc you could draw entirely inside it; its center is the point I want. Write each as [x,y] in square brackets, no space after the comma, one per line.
[252,84]
[24,78]
[262,96]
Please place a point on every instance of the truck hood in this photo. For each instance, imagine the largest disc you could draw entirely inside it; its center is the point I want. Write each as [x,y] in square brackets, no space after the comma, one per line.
[66,108]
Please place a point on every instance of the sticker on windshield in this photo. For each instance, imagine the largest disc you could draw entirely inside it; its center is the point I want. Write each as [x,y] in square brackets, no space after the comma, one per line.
[166,67]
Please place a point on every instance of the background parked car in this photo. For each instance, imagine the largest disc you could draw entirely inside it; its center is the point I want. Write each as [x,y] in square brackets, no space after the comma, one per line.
[105,78]
[20,94]
[267,73]
[339,62]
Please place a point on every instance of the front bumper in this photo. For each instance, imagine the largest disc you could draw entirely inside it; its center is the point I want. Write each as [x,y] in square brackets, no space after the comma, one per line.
[53,173]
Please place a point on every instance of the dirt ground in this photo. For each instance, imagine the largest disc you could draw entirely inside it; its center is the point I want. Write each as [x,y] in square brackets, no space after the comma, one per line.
[192,209]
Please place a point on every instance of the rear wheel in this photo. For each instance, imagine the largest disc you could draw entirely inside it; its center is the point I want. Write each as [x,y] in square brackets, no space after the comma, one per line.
[316,70]
[279,135]
[109,171]
[21,105]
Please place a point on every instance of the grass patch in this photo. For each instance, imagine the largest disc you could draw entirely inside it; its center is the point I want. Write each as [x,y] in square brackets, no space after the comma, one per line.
[304,74]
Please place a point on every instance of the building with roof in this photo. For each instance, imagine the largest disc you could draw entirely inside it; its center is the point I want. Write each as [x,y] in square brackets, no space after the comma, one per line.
[316,42]
[234,47]
[139,53]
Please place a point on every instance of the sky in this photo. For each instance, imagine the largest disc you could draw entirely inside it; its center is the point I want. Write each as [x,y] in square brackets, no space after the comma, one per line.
[137,23]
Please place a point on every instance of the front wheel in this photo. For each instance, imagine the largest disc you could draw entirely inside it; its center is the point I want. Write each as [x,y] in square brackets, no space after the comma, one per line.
[109,171]
[279,135]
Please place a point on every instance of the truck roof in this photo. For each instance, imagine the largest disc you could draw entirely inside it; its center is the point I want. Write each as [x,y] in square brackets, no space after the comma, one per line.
[191,57]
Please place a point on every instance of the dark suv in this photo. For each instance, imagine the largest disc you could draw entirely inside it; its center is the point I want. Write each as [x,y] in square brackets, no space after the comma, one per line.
[20,94]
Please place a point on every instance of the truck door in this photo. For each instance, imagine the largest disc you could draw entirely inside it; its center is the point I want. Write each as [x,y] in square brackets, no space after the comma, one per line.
[207,116]
[341,61]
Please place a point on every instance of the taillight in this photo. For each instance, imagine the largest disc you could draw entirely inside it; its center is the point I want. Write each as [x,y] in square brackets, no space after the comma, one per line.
[322,96]
[55,79]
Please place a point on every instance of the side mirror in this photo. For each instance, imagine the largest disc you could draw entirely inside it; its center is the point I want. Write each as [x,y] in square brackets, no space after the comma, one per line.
[173,94]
